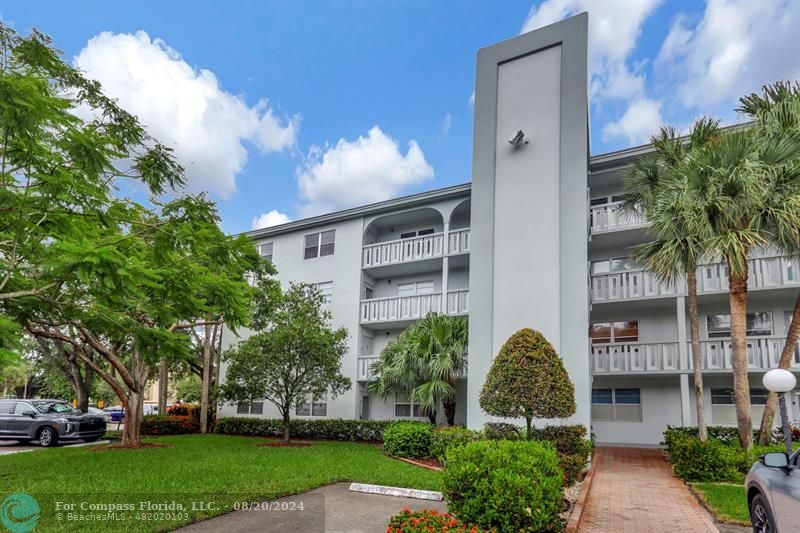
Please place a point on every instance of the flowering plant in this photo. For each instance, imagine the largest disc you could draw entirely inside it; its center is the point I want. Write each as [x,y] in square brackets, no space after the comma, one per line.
[428,521]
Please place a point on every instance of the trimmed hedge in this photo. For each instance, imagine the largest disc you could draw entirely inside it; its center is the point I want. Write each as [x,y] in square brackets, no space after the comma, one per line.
[169,425]
[425,521]
[408,439]
[572,446]
[501,431]
[446,437]
[504,485]
[327,429]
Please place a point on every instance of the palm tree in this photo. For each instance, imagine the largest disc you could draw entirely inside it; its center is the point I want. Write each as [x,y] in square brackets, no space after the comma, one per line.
[745,186]
[777,110]
[424,362]
[656,188]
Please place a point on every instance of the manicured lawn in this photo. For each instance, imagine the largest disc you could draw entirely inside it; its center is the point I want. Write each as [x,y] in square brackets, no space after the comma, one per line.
[726,500]
[199,468]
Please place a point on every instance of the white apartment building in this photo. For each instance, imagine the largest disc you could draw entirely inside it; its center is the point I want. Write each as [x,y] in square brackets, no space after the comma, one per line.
[536,240]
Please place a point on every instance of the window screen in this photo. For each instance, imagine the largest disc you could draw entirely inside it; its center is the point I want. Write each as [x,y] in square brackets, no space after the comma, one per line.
[327,243]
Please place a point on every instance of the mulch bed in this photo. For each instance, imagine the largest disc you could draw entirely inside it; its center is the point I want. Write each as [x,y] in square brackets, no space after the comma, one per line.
[281,444]
[430,464]
[142,446]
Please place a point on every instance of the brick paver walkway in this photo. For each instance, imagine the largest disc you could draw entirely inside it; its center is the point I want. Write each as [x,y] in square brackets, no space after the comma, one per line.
[635,491]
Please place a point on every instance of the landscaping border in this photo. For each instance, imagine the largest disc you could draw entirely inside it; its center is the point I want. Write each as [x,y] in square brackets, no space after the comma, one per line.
[574,521]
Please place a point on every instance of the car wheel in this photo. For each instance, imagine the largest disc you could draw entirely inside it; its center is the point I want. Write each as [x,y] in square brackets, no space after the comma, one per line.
[48,437]
[761,516]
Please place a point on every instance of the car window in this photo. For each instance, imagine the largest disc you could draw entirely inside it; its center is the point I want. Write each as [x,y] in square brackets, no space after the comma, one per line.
[21,408]
[6,408]
[54,407]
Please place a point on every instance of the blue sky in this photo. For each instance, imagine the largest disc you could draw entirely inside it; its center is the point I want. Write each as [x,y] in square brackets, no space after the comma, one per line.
[289,109]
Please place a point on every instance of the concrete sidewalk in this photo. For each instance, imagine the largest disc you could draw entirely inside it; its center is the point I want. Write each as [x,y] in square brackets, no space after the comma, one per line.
[332,508]
[634,490]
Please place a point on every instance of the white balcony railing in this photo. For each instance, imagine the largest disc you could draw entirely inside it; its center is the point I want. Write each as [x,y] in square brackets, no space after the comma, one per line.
[458,241]
[764,272]
[365,362]
[635,357]
[763,353]
[610,217]
[394,308]
[403,250]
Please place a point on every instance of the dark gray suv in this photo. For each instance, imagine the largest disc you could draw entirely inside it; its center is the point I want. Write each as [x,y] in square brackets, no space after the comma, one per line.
[47,421]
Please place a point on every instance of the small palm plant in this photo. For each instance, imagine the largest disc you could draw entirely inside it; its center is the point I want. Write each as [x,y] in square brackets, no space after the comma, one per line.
[424,362]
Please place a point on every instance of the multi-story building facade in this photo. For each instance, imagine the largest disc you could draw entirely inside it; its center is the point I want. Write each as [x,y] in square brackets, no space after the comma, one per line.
[536,240]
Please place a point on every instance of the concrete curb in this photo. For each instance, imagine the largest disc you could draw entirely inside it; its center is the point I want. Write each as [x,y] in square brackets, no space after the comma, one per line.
[415,463]
[574,521]
[397,491]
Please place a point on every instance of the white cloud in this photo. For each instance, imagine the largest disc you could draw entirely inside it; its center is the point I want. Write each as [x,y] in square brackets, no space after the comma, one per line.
[447,123]
[735,48]
[614,28]
[637,124]
[368,169]
[185,108]
[266,220]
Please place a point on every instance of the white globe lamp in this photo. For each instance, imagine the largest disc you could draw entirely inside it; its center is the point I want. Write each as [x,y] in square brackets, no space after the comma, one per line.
[781,381]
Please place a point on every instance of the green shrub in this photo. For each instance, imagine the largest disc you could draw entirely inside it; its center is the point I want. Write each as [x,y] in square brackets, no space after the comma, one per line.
[504,485]
[408,439]
[447,437]
[694,460]
[501,431]
[184,409]
[326,429]
[728,435]
[572,446]
[169,425]
[426,521]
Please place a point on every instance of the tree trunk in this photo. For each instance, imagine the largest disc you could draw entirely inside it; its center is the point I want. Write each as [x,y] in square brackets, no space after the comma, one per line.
[432,416]
[737,285]
[133,404]
[694,330]
[163,385]
[765,434]
[82,395]
[217,365]
[449,405]
[286,425]
[528,426]
[5,390]
[206,379]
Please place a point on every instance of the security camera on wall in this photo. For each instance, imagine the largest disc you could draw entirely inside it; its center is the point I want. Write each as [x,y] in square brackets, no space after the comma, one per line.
[518,139]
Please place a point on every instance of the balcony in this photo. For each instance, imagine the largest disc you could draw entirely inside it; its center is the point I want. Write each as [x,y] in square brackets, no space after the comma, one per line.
[765,273]
[365,362]
[611,217]
[402,251]
[410,308]
[637,357]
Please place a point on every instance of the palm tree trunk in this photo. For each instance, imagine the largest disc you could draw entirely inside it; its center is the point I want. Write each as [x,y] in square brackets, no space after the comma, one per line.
[765,434]
[737,285]
[449,406]
[694,330]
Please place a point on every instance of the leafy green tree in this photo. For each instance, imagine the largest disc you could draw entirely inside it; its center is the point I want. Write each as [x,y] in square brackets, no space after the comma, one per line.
[746,186]
[187,388]
[656,189]
[293,355]
[424,362]
[66,375]
[82,266]
[528,380]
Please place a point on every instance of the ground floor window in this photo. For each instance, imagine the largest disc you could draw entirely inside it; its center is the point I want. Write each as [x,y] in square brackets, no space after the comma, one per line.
[404,407]
[309,408]
[725,397]
[255,408]
[723,405]
[617,404]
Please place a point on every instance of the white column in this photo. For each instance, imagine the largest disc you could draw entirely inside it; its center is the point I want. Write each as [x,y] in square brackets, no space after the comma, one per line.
[445,266]
[686,411]
[683,348]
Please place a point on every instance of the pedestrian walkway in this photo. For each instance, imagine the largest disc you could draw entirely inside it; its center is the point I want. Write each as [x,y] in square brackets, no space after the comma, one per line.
[635,491]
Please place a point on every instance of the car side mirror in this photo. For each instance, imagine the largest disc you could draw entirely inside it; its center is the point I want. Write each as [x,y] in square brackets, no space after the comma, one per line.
[775,460]
[29,413]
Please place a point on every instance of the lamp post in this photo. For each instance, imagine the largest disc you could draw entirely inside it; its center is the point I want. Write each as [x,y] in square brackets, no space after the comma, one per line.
[781,381]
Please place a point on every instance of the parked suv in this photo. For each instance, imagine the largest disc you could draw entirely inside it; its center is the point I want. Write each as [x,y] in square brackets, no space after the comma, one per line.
[773,493]
[47,421]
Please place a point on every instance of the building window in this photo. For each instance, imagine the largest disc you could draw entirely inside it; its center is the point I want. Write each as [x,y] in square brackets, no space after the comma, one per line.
[416,233]
[319,244]
[608,332]
[414,288]
[615,264]
[725,397]
[309,408]
[405,408]
[757,324]
[255,408]
[617,405]
[326,291]
[265,251]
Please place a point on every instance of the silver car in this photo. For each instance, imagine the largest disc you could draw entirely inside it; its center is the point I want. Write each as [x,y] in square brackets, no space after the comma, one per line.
[47,421]
[773,493]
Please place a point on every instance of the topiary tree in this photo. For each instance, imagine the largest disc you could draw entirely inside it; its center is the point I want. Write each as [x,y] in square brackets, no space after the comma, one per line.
[528,380]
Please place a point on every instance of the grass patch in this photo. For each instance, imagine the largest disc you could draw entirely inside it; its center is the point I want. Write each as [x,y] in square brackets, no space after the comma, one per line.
[220,468]
[726,500]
